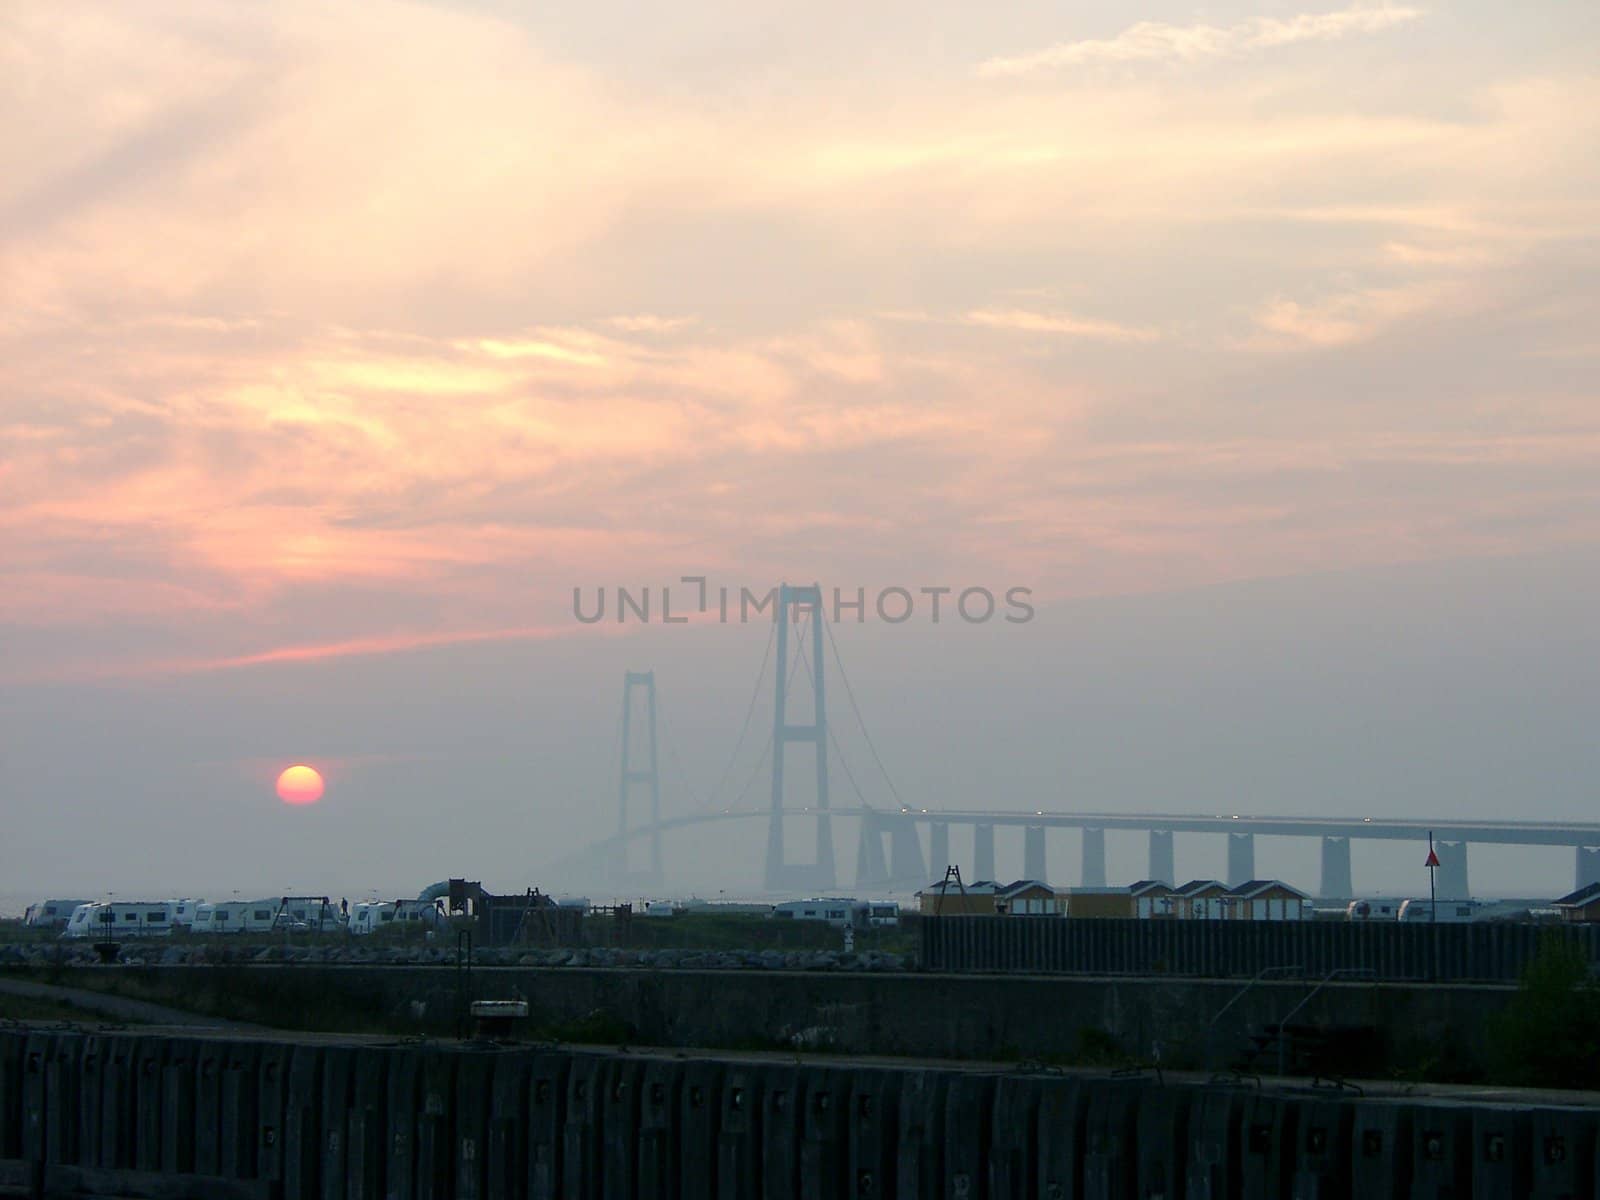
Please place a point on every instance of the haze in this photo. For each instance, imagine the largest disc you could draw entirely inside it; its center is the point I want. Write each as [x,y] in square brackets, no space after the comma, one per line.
[339,344]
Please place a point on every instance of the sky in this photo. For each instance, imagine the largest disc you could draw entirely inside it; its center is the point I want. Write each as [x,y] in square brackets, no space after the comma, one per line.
[340,343]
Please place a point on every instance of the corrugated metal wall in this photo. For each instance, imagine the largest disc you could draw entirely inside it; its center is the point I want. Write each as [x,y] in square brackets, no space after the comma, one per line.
[1487,952]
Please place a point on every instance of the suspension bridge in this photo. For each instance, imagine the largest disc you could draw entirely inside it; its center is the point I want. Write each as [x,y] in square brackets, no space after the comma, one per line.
[899,844]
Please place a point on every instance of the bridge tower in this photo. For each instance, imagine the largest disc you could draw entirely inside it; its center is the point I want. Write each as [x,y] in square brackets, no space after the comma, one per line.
[818,875]
[631,774]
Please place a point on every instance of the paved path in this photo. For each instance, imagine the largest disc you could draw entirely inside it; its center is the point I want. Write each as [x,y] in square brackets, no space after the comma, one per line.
[118,1008]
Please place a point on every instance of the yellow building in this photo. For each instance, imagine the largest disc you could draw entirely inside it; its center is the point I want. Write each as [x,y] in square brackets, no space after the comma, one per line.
[1266,900]
[948,899]
[1030,898]
[1199,900]
[1145,899]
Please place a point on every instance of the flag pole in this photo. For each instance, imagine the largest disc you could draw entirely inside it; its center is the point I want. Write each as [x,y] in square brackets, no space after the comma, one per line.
[1433,899]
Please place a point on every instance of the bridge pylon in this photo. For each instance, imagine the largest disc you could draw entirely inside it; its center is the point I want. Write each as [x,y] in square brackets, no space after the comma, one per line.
[818,875]
[631,775]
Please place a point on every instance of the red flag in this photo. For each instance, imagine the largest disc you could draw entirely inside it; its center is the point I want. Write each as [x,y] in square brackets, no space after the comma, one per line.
[1433,859]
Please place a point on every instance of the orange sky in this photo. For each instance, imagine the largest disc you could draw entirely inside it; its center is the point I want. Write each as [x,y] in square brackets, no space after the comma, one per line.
[387,323]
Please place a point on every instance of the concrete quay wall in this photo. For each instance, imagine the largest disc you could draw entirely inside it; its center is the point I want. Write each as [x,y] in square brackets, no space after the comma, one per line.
[965,1015]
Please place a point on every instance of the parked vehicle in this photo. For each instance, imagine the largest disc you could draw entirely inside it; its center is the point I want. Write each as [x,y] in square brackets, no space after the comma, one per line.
[105,920]
[51,914]
[1451,912]
[1375,908]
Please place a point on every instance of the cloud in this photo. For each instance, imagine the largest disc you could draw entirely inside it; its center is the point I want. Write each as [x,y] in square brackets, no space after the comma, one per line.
[1155,41]
[303,344]
[538,349]
[1062,324]
[1345,318]
[650,323]
[294,653]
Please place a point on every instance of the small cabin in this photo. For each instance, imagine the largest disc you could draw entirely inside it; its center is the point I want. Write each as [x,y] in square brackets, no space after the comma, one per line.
[1199,900]
[1267,900]
[1151,898]
[1581,907]
[1029,898]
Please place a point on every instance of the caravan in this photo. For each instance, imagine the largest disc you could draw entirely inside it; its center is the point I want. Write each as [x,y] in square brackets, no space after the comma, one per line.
[1451,912]
[371,916]
[223,917]
[183,912]
[51,914]
[107,920]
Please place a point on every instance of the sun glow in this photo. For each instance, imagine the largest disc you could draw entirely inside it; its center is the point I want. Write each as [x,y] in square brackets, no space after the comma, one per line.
[300,784]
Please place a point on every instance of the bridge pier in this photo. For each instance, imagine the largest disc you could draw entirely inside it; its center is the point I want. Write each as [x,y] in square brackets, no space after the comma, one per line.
[1588,867]
[871,872]
[1033,864]
[1336,869]
[1162,866]
[905,851]
[1241,858]
[983,852]
[938,848]
[1093,873]
[1452,878]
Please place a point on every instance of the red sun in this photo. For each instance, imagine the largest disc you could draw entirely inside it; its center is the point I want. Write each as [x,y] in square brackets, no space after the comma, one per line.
[300,784]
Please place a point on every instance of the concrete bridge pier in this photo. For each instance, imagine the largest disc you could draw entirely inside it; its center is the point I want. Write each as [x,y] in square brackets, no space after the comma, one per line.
[871,871]
[1588,867]
[905,850]
[1241,858]
[1033,864]
[1336,869]
[1452,877]
[983,852]
[1161,858]
[938,849]
[1094,858]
